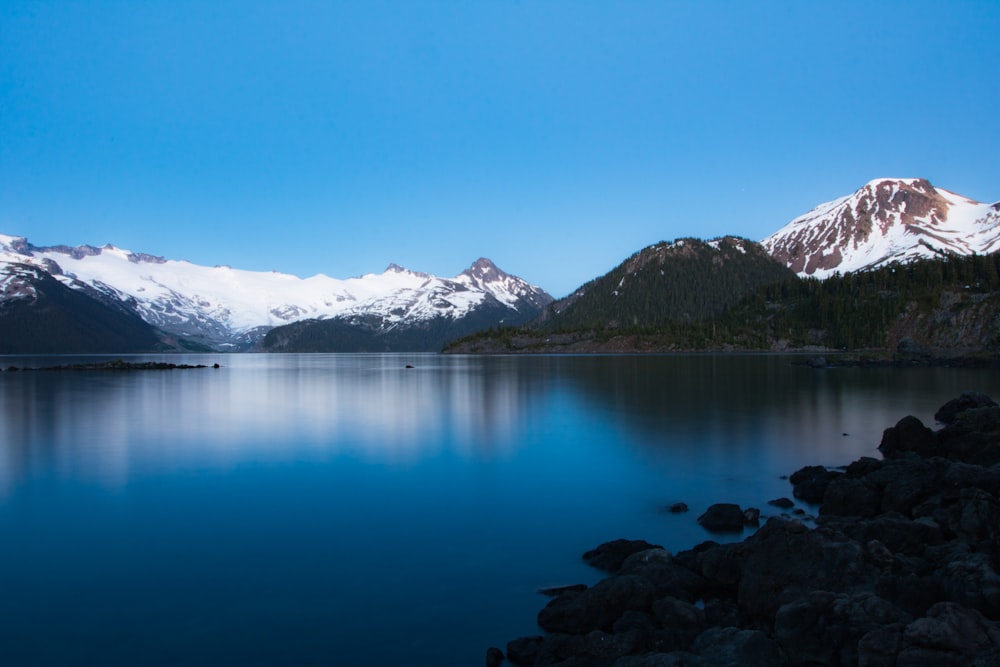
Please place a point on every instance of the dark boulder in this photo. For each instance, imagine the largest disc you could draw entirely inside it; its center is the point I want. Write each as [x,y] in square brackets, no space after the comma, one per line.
[672,659]
[523,651]
[678,508]
[846,496]
[738,648]
[722,518]
[782,503]
[948,412]
[610,555]
[908,435]
[598,607]
[494,657]
[809,483]
[949,634]
[824,628]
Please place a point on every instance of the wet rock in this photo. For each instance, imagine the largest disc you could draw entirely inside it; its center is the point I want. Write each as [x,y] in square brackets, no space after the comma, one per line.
[751,517]
[678,508]
[722,518]
[610,555]
[783,503]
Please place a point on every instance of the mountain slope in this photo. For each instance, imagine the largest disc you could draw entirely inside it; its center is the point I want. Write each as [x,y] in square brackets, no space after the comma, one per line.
[885,221]
[686,280]
[507,301]
[40,315]
[226,308]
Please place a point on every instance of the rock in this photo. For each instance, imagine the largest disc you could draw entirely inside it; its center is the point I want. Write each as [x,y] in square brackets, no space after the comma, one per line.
[668,576]
[879,647]
[909,349]
[846,496]
[732,647]
[950,632]
[494,657]
[817,362]
[783,503]
[672,659]
[524,650]
[722,518]
[751,517]
[824,628]
[554,591]
[908,435]
[678,508]
[901,569]
[809,483]
[681,621]
[598,607]
[948,412]
[610,555]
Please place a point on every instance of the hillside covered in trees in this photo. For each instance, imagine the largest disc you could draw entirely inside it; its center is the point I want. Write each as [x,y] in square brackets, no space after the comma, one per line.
[948,304]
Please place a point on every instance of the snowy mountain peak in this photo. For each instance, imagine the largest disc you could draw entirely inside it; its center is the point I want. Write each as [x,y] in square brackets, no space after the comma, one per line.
[221,307]
[505,288]
[886,220]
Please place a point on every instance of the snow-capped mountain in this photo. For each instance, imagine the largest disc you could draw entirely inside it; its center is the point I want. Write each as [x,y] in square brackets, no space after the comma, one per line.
[225,308]
[887,220]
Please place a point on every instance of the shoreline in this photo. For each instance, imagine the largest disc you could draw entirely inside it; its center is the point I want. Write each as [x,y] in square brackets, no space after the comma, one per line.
[901,568]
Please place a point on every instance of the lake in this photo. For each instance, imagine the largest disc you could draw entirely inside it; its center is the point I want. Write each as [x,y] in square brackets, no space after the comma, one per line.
[346,509]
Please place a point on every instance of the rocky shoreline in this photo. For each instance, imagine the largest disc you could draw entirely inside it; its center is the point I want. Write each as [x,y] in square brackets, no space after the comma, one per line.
[901,569]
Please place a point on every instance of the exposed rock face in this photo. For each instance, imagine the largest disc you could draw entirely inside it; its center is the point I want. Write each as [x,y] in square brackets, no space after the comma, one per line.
[900,570]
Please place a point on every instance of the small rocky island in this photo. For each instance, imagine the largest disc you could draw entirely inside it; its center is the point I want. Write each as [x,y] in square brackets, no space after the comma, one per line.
[900,570]
[116,365]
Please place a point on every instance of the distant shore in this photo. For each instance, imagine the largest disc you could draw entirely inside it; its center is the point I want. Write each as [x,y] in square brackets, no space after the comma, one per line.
[117,365]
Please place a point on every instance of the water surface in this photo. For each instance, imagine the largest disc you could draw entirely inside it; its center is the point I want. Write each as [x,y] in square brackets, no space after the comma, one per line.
[346,509]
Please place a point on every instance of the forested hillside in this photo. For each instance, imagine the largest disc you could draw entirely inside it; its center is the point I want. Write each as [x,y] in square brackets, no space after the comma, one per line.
[686,280]
[946,304]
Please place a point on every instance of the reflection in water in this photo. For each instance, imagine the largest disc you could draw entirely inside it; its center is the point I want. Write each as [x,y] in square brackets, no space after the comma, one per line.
[104,425]
[370,406]
[298,509]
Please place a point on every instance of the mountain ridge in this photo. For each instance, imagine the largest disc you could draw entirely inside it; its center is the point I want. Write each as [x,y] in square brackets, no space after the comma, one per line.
[228,309]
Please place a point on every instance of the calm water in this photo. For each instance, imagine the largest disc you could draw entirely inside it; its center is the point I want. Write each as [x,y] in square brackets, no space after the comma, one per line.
[343,509]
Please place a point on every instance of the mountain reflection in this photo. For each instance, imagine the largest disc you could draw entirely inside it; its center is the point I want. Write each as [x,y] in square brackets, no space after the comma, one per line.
[697,412]
[258,408]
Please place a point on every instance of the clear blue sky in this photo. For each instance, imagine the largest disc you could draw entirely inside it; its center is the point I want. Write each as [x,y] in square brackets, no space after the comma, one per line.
[554,137]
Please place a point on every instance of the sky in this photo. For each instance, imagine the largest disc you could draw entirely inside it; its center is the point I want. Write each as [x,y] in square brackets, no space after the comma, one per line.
[554,137]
